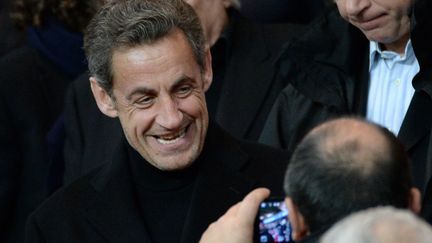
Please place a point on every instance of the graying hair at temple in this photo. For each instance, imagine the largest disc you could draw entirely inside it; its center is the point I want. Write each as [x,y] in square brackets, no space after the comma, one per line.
[130,23]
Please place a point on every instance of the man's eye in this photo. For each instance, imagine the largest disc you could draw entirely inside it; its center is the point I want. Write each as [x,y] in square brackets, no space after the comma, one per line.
[144,101]
[184,91]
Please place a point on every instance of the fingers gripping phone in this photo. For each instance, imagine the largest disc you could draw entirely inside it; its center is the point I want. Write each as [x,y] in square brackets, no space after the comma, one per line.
[272,224]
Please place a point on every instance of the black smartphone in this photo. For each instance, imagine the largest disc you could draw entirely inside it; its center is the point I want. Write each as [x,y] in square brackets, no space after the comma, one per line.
[272,224]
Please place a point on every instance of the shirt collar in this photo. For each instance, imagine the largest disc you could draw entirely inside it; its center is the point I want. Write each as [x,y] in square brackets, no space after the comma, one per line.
[375,52]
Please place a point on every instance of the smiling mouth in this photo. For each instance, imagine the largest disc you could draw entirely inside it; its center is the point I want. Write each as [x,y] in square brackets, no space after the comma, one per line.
[171,138]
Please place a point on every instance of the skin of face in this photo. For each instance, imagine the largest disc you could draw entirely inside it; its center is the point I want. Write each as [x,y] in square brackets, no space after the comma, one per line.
[158,95]
[384,21]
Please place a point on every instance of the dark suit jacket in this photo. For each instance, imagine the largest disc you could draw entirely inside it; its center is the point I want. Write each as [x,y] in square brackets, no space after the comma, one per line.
[328,77]
[31,99]
[101,206]
[283,11]
[245,99]
[250,88]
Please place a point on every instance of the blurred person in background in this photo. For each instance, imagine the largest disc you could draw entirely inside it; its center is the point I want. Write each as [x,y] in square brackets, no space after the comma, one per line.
[33,81]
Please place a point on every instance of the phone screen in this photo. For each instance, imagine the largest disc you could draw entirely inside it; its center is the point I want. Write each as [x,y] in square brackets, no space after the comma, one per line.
[273,224]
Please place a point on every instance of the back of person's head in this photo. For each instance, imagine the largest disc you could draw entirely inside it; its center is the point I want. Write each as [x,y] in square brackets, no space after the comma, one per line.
[129,23]
[346,165]
[74,14]
[380,225]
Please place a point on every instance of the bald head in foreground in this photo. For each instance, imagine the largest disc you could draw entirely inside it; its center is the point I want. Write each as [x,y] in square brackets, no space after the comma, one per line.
[380,225]
[340,167]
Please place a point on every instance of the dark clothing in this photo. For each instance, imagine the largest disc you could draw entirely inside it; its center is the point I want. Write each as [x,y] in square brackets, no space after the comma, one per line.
[421,37]
[102,206]
[243,80]
[163,197]
[31,99]
[282,11]
[33,81]
[60,46]
[328,77]
[322,78]
[249,88]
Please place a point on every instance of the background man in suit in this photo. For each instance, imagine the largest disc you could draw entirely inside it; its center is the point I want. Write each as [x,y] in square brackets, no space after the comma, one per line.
[380,225]
[239,99]
[370,58]
[340,167]
[173,173]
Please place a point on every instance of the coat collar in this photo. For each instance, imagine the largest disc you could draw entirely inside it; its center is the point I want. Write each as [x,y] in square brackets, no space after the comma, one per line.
[111,206]
[335,79]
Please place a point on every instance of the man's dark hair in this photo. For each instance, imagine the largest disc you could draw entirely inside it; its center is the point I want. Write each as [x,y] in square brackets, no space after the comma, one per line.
[130,23]
[338,169]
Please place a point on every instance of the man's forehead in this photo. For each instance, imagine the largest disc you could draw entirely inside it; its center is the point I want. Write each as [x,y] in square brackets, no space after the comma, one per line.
[167,60]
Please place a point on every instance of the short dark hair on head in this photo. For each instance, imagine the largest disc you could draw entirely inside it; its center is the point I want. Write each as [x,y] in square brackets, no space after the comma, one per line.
[129,23]
[328,185]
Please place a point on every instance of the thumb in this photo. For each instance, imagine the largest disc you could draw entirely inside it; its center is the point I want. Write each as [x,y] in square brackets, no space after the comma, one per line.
[249,206]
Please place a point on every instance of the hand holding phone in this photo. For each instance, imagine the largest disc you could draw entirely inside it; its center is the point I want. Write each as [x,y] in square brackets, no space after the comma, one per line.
[272,222]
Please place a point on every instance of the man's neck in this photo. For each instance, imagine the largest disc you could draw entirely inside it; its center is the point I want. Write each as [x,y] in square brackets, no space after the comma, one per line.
[397,46]
[215,31]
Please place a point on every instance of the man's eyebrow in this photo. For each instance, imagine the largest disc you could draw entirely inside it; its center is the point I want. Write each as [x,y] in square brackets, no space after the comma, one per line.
[181,80]
[139,90]
[143,90]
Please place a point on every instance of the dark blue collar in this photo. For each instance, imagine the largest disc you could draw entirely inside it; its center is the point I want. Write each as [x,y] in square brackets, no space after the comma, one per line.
[59,45]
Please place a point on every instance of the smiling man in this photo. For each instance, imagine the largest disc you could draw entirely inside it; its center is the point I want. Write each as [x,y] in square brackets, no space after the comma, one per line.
[173,172]
[239,99]
[158,95]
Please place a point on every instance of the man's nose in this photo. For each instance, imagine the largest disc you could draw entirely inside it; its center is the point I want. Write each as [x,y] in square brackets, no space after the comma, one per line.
[169,116]
[355,7]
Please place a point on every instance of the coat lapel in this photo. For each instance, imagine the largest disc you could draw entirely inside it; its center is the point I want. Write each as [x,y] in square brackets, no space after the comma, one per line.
[418,120]
[219,186]
[111,205]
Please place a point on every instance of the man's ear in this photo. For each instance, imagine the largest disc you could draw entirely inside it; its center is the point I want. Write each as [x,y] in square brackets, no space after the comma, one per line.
[298,224]
[208,71]
[415,200]
[103,99]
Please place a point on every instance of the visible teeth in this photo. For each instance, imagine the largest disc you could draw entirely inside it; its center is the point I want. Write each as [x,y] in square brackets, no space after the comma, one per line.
[171,139]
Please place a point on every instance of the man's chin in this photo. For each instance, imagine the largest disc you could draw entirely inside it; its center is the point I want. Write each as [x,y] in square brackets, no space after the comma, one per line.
[172,163]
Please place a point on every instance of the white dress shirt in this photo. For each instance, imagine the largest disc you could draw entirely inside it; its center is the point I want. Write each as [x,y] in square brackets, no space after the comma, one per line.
[390,86]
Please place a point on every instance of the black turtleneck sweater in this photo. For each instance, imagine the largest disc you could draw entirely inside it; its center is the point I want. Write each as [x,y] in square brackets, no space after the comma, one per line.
[164,197]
